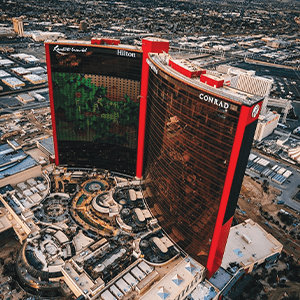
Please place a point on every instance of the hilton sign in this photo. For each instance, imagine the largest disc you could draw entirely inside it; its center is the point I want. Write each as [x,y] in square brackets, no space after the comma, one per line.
[126,53]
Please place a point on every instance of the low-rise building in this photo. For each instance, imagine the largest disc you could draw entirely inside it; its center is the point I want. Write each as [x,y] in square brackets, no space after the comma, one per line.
[4,74]
[266,125]
[25,98]
[13,82]
[178,283]
[250,245]
[20,71]
[35,79]
[37,70]
[6,62]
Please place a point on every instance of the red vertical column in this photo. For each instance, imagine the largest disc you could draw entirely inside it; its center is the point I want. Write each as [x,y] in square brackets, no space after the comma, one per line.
[50,85]
[153,45]
[221,231]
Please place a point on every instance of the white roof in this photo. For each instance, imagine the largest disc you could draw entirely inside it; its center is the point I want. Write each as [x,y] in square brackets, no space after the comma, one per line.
[31,181]
[31,58]
[139,214]
[37,70]
[132,195]
[62,238]
[116,291]
[81,241]
[41,187]
[20,70]
[34,78]
[139,195]
[287,174]
[82,281]
[22,185]
[204,291]
[146,213]
[25,97]
[145,267]
[174,282]
[35,197]
[281,171]
[186,64]
[20,55]
[34,190]
[167,242]
[13,81]
[4,74]
[130,279]
[27,192]
[4,62]
[263,162]
[107,295]
[161,246]
[137,273]
[123,286]
[239,250]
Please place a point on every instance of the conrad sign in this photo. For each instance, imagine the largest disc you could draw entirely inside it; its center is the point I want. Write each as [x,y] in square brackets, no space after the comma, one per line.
[213,100]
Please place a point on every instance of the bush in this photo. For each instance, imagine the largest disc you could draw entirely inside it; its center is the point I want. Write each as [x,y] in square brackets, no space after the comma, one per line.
[9,269]
[291,277]
[293,296]
[287,219]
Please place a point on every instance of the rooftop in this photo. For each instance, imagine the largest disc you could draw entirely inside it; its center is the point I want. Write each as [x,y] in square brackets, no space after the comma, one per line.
[48,144]
[13,81]
[248,242]
[236,96]
[88,43]
[4,220]
[175,281]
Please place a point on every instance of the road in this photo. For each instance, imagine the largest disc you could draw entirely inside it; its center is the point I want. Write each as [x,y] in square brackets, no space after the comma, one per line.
[28,106]
[24,90]
[265,63]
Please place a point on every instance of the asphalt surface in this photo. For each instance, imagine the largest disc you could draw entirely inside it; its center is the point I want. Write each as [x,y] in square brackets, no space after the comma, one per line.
[289,188]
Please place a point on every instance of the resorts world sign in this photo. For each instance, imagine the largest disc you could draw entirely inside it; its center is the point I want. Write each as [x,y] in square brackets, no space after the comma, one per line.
[65,50]
[213,100]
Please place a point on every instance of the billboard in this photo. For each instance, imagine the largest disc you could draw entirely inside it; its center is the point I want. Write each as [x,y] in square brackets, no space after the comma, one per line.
[95,94]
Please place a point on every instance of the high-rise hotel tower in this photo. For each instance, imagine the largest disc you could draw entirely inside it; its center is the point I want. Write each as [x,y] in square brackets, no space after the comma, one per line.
[180,128]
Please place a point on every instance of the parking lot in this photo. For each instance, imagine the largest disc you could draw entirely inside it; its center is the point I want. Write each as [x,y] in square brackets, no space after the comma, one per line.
[288,186]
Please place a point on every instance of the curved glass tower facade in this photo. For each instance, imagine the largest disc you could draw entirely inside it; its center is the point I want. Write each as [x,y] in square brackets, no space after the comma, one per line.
[194,152]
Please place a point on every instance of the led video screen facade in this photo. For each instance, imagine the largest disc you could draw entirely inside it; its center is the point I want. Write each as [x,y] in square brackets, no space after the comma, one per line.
[95,99]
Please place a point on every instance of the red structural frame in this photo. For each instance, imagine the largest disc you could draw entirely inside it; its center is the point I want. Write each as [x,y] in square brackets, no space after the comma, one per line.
[221,231]
[48,61]
[155,46]
[211,81]
[185,71]
[101,41]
